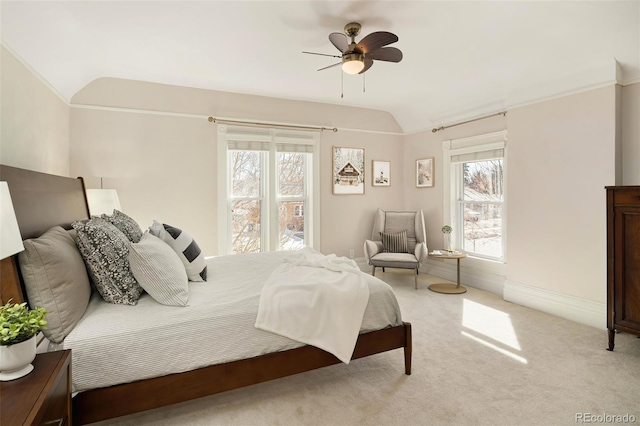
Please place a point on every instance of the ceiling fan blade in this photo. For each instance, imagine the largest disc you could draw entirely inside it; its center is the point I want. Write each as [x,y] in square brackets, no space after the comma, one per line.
[322,54]
[340,41]
[375,41]
[330,66]
[389,54]
[368,63]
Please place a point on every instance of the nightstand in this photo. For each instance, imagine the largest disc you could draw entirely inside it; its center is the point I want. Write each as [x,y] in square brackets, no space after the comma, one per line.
[41,397]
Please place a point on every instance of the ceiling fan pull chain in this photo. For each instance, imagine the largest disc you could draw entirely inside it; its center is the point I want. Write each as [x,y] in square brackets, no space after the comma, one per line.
[341,84]
[364,83]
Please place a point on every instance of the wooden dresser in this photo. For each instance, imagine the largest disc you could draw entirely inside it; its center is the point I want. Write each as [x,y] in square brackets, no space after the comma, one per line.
[623,260]
[42,397]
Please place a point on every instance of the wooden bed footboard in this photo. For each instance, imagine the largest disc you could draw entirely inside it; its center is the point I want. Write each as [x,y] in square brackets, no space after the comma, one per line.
[119,400]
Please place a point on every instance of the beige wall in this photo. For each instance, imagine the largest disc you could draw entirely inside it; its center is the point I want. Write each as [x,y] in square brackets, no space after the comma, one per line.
[164,166]
[631,134]
[34,120]
[561,155]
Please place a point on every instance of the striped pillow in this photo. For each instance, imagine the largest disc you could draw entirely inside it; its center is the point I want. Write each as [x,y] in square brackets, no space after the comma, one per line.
[395,243]
[159,270]
[186,247]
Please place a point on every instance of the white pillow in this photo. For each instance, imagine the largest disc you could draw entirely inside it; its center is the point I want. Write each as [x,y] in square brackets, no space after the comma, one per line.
[158,270]
[186,247]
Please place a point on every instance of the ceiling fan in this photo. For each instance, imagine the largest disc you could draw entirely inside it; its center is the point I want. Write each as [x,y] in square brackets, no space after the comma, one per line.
[358,57]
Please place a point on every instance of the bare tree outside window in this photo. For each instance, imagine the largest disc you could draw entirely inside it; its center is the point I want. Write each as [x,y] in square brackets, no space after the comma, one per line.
[291,192]
[248,200]
[482,207]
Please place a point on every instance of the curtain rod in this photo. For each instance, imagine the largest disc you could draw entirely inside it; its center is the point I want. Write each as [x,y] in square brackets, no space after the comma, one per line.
[437,129]
[280,126]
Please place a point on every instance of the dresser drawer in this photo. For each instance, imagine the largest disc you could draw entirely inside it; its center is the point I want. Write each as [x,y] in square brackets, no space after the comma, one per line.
[627,197]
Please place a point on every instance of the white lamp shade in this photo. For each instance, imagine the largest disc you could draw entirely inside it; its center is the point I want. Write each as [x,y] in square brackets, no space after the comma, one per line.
[102,201]
[10,238]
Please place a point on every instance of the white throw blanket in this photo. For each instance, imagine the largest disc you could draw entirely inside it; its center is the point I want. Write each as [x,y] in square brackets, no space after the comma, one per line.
[315,299]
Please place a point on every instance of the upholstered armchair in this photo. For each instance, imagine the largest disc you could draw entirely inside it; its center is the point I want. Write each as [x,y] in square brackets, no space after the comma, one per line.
[398,240]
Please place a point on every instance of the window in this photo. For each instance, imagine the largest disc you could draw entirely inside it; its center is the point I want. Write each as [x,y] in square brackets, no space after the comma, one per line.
[475,194]
[267,180]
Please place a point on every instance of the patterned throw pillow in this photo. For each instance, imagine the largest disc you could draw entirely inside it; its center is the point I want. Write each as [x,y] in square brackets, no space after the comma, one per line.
[105,251]
[124,223]
[395,243]
[186,247]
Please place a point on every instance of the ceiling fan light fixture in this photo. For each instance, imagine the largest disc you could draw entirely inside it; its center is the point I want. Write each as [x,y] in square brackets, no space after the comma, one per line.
[352,63]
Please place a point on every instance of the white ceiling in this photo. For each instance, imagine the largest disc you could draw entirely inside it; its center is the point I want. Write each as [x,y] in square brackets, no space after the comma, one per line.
[460,58]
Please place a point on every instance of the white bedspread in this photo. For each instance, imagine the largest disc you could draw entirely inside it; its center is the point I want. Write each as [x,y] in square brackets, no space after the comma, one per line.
[115,344]
[315,299]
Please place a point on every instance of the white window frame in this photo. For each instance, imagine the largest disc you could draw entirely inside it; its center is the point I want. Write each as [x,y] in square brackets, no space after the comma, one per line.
[452,185]
[273,137]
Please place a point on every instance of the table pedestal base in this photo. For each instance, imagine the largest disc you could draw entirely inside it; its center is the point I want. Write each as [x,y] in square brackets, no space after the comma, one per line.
[448,288]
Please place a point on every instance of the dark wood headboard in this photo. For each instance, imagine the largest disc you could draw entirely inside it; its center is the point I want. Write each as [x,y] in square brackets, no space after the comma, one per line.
[40,201]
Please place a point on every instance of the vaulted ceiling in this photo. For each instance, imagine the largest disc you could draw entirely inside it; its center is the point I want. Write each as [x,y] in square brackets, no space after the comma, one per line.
[461,59]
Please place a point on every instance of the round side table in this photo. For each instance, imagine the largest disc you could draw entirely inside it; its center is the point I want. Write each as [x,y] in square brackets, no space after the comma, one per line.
[448,288]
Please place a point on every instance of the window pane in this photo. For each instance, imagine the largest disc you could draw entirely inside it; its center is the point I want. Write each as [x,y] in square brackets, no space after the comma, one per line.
[245,173]
[245,222]
[483,229]
[291,225]
[483,181]
[291,173]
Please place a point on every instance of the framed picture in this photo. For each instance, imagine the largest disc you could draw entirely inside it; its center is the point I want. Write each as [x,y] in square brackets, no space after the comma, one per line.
[424,173]
[380,173]
[348,171]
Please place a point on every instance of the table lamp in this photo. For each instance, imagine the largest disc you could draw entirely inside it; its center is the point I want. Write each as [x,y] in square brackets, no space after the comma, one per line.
[10,241]
[102,201]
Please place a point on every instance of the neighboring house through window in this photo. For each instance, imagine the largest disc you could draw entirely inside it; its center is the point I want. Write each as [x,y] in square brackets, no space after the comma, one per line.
[268,179]
[474,194]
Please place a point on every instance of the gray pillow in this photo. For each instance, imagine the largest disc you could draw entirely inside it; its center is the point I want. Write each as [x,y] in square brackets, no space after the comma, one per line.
[124,223]
[159,270]
[395,242]
[105,251]
[186,248]
[55,279]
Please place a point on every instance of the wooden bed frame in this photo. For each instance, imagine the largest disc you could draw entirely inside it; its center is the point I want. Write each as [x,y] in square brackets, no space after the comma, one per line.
[41,201]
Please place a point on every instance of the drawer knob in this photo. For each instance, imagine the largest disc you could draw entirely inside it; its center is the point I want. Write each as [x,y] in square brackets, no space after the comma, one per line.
[638,197]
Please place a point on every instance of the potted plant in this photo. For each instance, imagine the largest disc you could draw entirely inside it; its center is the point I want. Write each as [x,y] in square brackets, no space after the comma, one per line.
[447,231]
[18,329]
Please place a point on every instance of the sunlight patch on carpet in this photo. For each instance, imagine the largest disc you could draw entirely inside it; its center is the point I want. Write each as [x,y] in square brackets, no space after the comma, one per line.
[490,322]
[495,348]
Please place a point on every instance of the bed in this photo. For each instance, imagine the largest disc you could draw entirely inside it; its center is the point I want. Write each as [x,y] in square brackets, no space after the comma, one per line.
[42,201]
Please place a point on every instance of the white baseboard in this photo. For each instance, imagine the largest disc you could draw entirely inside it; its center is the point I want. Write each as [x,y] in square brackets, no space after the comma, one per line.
[573,308]
[469,276]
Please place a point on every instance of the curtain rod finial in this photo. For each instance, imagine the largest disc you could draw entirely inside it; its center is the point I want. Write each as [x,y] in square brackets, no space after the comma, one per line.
[211,119]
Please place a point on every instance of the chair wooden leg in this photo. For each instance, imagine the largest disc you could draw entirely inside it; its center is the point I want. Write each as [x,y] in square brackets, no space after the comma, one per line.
[373,272]
[383,269]
[416,278]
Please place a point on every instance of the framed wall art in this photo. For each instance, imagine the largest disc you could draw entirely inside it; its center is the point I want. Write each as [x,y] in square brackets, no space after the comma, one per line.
[425,173]
[380,175]
[348,171]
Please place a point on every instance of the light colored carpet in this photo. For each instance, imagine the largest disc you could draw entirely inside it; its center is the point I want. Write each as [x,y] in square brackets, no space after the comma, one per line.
[477,360]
